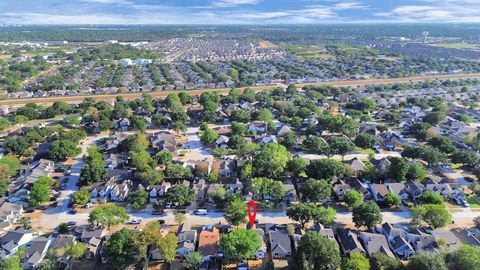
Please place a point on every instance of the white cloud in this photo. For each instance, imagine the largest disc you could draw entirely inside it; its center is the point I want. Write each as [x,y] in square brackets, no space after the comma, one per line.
[233,3]
[108,2]
[435,11]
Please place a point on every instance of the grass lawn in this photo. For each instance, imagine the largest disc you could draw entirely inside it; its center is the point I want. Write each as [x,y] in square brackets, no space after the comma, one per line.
[473,203]
[458,45]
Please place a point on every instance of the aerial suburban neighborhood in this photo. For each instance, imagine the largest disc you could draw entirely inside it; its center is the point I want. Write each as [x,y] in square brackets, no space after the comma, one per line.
[144,147]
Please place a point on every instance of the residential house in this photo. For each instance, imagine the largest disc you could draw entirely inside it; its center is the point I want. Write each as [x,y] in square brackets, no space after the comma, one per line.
[327,232]
[414,189]
[340,187]
[443,189]
[283,131]
[381,165]
[291,193]
[396,239]
[359,186]
[43,167]
[63,241]
[200,190]
[227,168]
[379,191]
[257,127]
[280,244]
[101,192]
[35,252]
[348,242]
[208,242]
[187,239]
[420,240]
[398,189]
[374,243]
[267,140]
[234,188]
[357,165]
[120,192]
[222,141]
[164,141]
[158,191]
[92,237]
[447,237]
[12,240]
[124,124]
[10,213]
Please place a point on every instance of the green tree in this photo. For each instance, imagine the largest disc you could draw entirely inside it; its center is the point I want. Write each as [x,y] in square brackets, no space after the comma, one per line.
[143,161]
[138,199]
[466,257]
[81,197]
[434,118]
[367,214]
[63,149]
[74,252]
[398,169]
[381,261]
[316,190]
[193,260]
[325,169]
[341,146]
[416,171]
[94,170]
[12,163]
[108,215]
[443,144]
[356,261]
[236,212]
[391,200]
[246,172]
[324,215]
[177,171]
[38,194]
[164,157]
[353,198]
[317,252]
[240,244]
[297,166]
[271,160]
[118,250]
[267,188]
[180,195]
[434,215]
[427,261]
[429,197]
[264,115]
[302,213]
[208,136]
[12,263]
[365,140]
[465,158]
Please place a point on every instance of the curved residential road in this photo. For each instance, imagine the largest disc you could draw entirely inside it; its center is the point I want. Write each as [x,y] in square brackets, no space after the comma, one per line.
[163,94]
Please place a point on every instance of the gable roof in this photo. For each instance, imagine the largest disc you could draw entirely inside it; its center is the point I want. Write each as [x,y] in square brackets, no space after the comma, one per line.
[280,242]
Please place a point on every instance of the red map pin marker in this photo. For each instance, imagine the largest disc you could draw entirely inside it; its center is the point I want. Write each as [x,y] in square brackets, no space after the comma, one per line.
[252,213]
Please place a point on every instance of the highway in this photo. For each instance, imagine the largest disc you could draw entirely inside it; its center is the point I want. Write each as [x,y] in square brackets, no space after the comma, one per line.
[163,94]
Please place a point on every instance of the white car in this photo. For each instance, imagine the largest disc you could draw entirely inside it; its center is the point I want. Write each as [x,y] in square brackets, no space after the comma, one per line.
[201,212]
[134,221]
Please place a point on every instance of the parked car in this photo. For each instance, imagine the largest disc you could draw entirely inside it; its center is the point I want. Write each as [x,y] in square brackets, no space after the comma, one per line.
[201,212]
[134,221]
[71,223]
[88,205]
[72,212]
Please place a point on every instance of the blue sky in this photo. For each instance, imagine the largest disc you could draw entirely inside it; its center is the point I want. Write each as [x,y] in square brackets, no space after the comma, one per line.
[235,11]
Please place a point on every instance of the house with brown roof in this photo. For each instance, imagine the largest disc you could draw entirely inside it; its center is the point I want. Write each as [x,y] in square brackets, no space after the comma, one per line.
[208,242]
[379,191]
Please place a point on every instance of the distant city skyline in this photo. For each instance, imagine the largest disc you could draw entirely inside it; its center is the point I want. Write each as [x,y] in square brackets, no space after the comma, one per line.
[236,11]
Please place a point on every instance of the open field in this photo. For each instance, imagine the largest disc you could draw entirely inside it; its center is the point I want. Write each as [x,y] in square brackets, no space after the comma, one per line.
[163,94]
[470,46]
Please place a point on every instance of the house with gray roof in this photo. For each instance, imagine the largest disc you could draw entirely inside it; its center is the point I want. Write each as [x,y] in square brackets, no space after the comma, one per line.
[35,252]
[280,244]
[374,243]
[12,240]
[348,242]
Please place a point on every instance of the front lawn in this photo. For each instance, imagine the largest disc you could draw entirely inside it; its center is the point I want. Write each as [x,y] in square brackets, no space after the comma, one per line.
[473,203]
